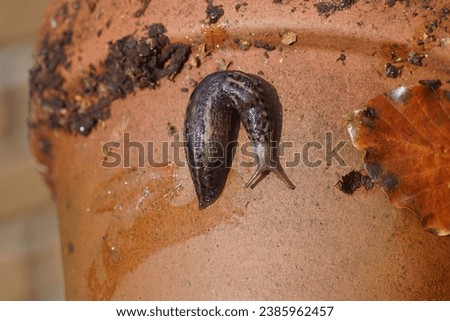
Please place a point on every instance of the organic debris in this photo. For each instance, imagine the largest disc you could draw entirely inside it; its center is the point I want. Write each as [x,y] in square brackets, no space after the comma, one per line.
[264,45]
[328,8]
[405,134]
[131,63]
[392,71]
[214,13]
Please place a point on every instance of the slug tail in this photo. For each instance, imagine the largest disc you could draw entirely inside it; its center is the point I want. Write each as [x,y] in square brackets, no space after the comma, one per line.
[207,198]
[202,203]
[263,170]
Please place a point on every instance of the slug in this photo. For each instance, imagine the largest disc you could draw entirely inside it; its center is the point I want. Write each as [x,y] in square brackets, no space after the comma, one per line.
[212,124]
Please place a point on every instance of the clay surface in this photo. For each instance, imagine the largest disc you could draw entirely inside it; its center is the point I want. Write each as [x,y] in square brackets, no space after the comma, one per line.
[131,233]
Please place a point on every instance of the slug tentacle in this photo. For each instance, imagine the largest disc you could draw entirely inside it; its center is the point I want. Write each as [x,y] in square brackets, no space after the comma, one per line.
[263,169]
[211,129]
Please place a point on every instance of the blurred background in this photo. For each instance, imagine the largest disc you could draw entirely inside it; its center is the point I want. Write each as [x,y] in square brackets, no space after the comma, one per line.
[30,256]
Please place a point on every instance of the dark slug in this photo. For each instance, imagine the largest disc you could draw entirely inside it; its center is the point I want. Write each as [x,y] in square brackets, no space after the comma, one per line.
[212,125]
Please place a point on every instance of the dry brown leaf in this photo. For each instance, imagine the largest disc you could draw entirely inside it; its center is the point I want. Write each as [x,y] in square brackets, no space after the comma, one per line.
[406,136]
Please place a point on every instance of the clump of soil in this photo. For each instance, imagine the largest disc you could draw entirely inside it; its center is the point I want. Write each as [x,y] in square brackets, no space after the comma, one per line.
[431,83]
[328,8]
[436,28]
[214,13]
[131,63]
[415,58]
[281,1]
[392,71]
[354,180]
[342,58]
[264,45]
[240,5]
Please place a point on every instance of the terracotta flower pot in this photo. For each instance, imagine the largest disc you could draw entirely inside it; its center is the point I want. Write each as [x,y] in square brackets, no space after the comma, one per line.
[136,232]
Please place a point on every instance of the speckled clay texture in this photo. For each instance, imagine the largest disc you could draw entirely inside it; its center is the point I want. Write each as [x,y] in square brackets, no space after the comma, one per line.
[137,233]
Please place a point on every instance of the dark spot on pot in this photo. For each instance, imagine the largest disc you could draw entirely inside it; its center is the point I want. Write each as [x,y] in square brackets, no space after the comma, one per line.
[392,71]
[431,83]
[76,5]
[172,130]
[447,95]
[70,248]
[45,146]
[369,117]
[342,58]
[92,6]
[214,13]
[184,90]
[144,6]
[352,181]
[444,12]
[432,26]
[192,82]
[390,182]
[264,45]
[240,5]
[390,3]
[374,170]
[63,12]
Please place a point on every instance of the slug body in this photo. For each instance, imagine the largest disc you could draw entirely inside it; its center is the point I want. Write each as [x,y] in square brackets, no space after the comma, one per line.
[212,126]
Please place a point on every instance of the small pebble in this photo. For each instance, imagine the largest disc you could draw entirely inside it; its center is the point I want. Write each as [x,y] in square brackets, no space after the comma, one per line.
[289,38]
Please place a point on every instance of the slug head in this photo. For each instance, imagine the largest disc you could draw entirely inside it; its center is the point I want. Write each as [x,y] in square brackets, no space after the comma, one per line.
[268,161]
